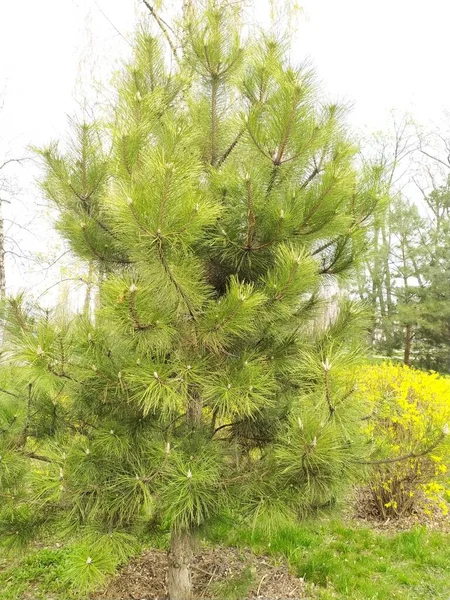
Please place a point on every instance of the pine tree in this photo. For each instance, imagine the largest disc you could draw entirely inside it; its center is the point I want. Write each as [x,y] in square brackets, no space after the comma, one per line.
[215,203]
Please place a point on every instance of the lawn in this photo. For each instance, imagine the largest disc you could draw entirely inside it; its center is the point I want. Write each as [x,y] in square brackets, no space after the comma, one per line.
[338,560]
[347,560]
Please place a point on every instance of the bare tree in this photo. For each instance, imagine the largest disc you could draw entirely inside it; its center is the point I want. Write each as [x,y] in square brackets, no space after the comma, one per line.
[7,191]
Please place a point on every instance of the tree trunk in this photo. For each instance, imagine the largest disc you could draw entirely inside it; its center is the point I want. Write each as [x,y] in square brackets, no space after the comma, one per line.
[386,239]
[2,255]
[179,583]
[408,339]
[89,290]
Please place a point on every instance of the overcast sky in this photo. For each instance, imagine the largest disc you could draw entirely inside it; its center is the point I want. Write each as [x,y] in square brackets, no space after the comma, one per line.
[377,56]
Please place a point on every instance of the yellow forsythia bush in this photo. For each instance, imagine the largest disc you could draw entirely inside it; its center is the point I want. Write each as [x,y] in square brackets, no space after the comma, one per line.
[408,419]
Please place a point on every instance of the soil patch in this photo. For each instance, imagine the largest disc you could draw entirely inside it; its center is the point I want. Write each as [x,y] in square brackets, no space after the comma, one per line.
[217,573]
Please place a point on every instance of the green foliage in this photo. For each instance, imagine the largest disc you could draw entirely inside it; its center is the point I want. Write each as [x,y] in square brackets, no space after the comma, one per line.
[192,478]
[18,527]
[88,565]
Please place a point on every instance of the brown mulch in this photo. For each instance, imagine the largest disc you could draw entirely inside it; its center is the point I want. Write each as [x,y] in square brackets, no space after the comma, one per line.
[144,578]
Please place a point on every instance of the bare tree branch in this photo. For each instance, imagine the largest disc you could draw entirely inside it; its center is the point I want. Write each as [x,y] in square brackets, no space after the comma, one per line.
[164,28]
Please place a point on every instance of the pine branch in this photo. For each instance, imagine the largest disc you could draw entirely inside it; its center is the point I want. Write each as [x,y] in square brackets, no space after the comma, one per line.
[103,258]
[139,223]
[271,241]
[10,393]
[277,161]
[230,148]
[84,198]
[137,323]
[315,207]
[224,426]
[124,155]
[26,427]
[250,213]
[273,176]
[326,378]
[91,247]
[310,177]
[280,295]
[325,246]
[18,315]
[214,120]
[35,456]
[11,424]
[337,256]
[164,198]
[263,152]
[175,283]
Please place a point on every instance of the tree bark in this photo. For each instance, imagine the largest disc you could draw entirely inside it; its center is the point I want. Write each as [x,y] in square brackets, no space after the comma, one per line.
[2,255]
[182,543]
[179,583]
[386,239]
[89,290]
[194,408]
[408,339]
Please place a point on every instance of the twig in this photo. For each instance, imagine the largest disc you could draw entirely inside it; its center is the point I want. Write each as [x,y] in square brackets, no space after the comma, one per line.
[209,582]
[260,584]
[202,571]
[405,457]
[163,26]
[61,281]
[13,160]
[113,26]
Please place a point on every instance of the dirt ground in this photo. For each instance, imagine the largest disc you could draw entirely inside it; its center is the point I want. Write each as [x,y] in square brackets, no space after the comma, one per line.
[144,578]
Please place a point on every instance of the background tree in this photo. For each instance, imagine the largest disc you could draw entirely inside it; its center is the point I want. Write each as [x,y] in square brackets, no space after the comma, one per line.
[215,204]
[434,309]
[415,253]
[23,261]
[8,191]
[391,153]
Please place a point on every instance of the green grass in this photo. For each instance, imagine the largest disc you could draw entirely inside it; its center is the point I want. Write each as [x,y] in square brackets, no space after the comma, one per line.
[343,560]
[39,574]
[235,587]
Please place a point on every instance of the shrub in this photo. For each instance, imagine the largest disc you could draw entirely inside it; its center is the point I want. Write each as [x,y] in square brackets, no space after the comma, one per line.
[406,424]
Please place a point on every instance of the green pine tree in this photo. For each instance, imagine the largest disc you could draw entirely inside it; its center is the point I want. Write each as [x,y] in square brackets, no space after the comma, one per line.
[215,203]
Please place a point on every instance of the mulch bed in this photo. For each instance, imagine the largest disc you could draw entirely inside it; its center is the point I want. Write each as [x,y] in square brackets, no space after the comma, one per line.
[144,578]
[363,510]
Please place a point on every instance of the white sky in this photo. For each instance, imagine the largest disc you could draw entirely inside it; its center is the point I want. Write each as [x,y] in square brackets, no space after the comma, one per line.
[375,55]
